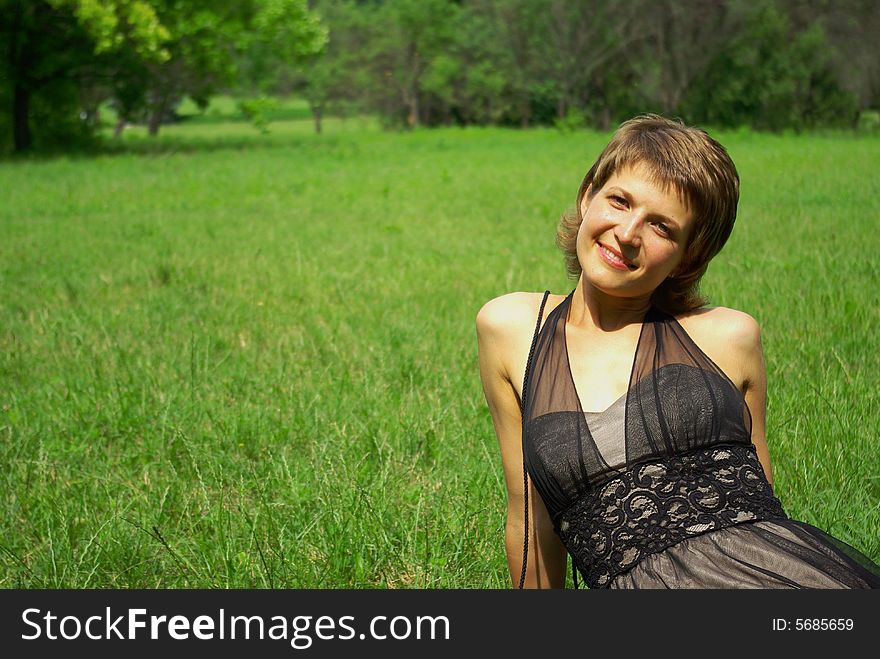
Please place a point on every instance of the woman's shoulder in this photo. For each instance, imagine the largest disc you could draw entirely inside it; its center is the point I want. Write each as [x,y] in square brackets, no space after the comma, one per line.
[505,327]
[722,325]
[511,312]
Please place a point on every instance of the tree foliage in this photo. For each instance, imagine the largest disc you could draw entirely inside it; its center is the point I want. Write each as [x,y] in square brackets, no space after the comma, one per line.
[769,64]
[55,49]
[64,57]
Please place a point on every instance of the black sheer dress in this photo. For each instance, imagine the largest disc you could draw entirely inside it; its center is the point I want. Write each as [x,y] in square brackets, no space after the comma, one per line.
[664,488]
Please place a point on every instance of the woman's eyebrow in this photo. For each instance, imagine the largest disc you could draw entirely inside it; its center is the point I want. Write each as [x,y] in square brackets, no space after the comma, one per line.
[654,216]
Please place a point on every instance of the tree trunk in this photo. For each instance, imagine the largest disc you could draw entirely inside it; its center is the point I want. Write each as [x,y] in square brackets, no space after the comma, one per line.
[605,117]
[561,107]
[18,57]
[20,119]
[155,121]
[410,97]
[120,126]
[157,112]
[316,113]
[525,111]
[412,118]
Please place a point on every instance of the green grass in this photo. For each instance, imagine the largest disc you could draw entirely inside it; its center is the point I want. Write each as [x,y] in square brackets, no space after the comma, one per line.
[235,360]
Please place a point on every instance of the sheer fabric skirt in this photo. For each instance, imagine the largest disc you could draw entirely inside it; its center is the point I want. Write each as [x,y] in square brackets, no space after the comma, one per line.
[765,554]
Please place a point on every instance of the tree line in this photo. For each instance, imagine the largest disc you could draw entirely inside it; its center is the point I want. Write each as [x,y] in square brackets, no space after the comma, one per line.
[768,64]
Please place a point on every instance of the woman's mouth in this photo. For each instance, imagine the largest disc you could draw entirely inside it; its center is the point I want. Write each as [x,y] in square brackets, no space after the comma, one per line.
[612,259]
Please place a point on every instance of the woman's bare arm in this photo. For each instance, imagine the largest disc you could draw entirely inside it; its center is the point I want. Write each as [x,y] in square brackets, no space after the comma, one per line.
[745,337]
[504,334]
[733,339]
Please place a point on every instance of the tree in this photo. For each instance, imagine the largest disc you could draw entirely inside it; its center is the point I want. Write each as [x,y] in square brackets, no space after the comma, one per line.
[683,37]
[469,81]
[514,21]
[63,56]
[754,81]
[407,35]
[575,40]
[208,41]
[333,77]
[851,28]
[52,46]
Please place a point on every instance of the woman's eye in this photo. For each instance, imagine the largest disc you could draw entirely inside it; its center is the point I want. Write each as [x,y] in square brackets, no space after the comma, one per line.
[618,201]
[663,228]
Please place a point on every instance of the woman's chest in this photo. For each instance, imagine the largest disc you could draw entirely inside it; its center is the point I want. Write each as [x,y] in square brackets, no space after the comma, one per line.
[600,367]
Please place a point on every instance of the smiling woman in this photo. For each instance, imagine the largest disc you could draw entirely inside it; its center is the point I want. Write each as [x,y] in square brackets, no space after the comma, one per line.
[634,411]
[629,227]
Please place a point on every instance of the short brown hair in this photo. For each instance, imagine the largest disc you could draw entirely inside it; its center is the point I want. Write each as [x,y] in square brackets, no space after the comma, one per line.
[681,158]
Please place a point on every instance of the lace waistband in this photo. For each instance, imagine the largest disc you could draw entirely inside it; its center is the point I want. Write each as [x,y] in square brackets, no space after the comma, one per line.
[657,504]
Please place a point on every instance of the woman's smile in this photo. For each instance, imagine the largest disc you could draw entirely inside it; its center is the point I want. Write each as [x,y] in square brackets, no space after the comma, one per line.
[614,259]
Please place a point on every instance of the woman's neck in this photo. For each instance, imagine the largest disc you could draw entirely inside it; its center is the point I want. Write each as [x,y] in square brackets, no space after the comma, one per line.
[593,309]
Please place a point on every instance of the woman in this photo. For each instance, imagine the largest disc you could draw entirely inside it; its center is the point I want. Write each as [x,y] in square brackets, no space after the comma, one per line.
[640,419]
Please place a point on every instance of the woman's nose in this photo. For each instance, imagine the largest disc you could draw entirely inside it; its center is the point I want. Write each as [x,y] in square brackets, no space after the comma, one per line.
[629,230]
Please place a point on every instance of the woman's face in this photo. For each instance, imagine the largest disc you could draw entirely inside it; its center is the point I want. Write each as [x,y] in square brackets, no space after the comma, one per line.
[633,234]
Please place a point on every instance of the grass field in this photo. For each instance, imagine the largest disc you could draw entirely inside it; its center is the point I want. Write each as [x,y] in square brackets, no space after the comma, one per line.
[239,360]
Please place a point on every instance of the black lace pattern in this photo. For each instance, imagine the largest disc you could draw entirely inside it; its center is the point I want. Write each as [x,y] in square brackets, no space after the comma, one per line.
[656,504]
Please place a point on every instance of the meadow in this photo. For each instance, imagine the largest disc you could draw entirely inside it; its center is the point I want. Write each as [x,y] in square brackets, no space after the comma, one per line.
[237,360]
